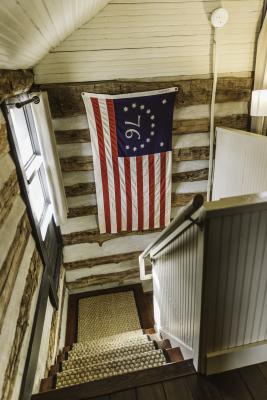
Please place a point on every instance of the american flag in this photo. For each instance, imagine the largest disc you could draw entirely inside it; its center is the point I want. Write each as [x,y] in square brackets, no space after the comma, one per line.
[131,136]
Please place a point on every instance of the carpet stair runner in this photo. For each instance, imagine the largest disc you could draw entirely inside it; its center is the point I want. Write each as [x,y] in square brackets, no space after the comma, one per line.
[110,344]
[109,357]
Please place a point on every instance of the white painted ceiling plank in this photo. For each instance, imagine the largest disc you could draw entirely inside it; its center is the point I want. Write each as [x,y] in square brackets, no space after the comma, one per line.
[30,29]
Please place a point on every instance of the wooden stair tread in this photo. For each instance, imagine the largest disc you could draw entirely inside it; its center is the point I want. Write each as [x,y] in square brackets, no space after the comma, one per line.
[174,354]
[116,383]
[162,344]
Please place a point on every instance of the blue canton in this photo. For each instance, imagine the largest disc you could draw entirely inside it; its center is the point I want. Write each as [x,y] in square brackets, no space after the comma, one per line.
[144,124]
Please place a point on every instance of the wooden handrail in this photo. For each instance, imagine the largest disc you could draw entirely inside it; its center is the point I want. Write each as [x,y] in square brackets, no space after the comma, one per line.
[182,216]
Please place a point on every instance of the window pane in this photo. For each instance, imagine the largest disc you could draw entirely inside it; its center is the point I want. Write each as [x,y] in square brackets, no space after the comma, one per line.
[37,197]
[22,134]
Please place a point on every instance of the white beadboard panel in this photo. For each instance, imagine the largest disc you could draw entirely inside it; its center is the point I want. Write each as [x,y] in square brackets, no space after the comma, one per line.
[236,275]
[181,113]
[175,283]
[111,247]
[137,39]
[72,275]
[79,224]
[200,51]
[74,149]
[30,29]
[189,187]
[202,48]
[247,168]
[151,68]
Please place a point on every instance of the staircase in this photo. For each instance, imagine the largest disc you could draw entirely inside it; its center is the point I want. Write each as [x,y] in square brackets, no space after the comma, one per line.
[111,351]
[108,357]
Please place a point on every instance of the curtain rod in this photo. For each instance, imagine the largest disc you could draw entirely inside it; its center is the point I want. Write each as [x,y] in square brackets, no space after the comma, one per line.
[34,99]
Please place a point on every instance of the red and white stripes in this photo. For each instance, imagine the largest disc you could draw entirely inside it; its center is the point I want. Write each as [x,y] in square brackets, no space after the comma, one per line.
[133,193]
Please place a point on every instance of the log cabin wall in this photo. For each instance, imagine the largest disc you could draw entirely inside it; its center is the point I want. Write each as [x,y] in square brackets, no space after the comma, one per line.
[20,264]
[137,45]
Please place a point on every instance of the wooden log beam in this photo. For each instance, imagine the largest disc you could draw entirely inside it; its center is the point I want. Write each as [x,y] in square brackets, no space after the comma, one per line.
[118,278]
[10,374]
[182,199]
[74,212]
[13,82]
[236,121]
[78,163]
[65,99]
[179,199]
[94,262]
[10,266]
[94,236]
[80,189]
[85,163]
[7,194]
[72,136]
[190,153]
[191,176]
[4,145]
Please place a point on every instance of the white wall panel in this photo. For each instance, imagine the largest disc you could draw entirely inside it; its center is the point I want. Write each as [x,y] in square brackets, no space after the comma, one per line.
[236,280]
[243,157]
[175,284]
[135,39]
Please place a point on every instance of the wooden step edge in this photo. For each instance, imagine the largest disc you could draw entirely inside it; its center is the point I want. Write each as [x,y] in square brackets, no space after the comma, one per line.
[66,349]
[162,344]
[117,383]
[173,354]
[155,336]
[48,384]
[149,331]
[54,369]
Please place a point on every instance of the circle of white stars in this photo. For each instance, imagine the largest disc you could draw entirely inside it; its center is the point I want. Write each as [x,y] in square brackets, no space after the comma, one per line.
[152,125]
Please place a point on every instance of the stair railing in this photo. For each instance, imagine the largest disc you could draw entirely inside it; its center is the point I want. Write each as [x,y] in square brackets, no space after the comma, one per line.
[181,217]
[209,270]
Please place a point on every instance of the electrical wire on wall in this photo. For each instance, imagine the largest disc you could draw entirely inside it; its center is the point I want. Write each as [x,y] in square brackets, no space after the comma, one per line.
[219,18]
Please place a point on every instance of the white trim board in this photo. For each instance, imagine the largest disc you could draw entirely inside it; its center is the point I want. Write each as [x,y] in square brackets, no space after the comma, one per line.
[236,357]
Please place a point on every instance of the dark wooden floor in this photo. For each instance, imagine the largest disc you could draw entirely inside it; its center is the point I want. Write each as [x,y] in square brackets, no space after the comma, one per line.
[248,383]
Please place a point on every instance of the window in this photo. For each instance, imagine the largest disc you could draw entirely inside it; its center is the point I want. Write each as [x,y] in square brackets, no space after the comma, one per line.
[31,163]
